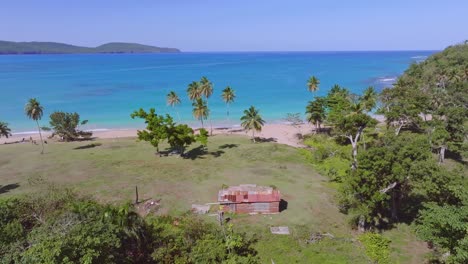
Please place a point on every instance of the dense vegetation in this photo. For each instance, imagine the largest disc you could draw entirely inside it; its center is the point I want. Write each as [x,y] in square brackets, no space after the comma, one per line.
[9,47]
[60,227]
[395,178]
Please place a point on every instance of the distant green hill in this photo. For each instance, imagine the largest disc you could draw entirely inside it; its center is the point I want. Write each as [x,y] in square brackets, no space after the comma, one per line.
[10,47]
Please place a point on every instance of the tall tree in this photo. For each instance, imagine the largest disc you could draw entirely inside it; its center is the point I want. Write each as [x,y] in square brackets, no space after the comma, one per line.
[193,91]
[313,84]
[5,131]
[228,96]
[173,100]
[251,120]
[34,110]
[349,115]
[316,112]
[206,90]
[369,99]
[200,110]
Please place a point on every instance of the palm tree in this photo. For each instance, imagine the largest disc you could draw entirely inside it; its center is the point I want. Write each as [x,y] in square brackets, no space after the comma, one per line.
[200,110]
[193,91]
[173,100]
[252,121]
[369,99]
[228,96]
[34,111]
[5,131]
[206,90]
[315,112]
[313,84]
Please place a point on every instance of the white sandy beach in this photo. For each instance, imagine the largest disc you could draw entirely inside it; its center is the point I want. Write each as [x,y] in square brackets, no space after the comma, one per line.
[280,133]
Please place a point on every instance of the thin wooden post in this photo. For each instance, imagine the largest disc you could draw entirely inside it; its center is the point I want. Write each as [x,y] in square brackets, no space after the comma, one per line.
[136,194]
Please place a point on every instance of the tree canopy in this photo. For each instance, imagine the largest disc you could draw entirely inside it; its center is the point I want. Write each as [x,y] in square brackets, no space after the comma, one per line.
[161,128]
[65,125]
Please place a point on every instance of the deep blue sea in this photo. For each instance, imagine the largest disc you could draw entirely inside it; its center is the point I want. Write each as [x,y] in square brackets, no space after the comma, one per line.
[106,88]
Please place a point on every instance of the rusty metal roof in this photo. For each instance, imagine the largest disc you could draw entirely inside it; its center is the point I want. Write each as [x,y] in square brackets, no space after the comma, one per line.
[248,193]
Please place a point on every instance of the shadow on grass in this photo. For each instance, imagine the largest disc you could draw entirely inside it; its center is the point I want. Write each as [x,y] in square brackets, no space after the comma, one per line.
[8,187]
[283,205]
[92,145]
[265,140]
[229,146]
[200,152]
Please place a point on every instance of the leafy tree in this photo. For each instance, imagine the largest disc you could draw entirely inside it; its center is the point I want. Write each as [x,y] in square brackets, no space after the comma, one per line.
[402,107]
[294,119]
[163,128]
[66,125]
[228,96]
[316,112]
[5,131]
[385,178]
[349,115]
[313,84]
[200,110]
[173,100]
[251,120]
[447,229]
[34,110]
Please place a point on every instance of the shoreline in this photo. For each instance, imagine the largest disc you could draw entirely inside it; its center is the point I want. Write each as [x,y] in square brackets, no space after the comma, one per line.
[278,133]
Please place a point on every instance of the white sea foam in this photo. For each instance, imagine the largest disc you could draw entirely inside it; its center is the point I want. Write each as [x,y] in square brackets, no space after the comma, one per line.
[419,57]
[98,129]
[25,133]
[387,79]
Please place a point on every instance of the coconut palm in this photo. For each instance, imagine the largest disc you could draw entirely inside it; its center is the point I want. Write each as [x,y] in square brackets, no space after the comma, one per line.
[173,100]
[34,110]
[193,91]
[206,90]
[313,84]
[252,121]
[5,131]
[228,96]
[200,110]
[369,99]
[315,112]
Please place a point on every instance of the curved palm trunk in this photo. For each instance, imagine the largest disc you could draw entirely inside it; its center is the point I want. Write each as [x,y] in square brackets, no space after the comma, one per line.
[253,135]
[40,135]
[178,116]
[201,120]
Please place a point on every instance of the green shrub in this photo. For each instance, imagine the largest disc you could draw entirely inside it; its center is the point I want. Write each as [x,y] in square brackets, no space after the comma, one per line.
[377,247]
[330,158]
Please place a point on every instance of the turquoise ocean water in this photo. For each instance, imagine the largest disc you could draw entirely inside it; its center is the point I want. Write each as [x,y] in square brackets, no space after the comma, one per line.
[106,88]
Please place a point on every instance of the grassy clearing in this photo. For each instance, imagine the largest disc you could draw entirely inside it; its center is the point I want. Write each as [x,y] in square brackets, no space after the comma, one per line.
[109,170]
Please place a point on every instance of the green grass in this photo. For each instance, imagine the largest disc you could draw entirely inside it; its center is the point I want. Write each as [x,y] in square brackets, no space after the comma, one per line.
[109,170]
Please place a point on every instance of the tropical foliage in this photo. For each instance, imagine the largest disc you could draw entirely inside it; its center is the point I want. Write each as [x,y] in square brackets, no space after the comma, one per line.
[65,125]
[228,96]
[313,84]
[200,110]
[252,121]
[395,177]
[5,131]
[173,100]
[161,128]
[60,227]
[34,110]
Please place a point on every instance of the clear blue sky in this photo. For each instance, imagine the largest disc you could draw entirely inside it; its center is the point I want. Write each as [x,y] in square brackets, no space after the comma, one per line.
[241,25]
